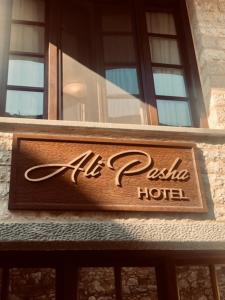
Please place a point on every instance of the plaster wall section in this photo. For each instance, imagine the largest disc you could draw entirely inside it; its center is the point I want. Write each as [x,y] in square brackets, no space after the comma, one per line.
[180,229]
[207,20]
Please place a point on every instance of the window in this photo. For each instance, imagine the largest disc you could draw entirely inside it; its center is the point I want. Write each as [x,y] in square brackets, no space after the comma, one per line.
[100,61]
[24,95]
[112,275]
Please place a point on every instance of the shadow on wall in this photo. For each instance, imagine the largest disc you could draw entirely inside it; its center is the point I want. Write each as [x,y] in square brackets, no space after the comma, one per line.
[119,229]
[80,88]
[217,108]
[207,22]
[87,95]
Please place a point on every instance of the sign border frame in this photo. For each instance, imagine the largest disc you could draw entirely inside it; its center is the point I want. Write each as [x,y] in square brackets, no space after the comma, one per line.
[19,205]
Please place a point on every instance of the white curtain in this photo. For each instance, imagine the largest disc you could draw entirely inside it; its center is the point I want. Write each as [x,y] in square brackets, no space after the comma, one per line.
[29,10]
[175,113]
[164,51]
[27,38]
[162,23]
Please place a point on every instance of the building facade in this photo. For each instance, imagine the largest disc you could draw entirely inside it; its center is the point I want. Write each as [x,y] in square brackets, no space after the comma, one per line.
[126,253]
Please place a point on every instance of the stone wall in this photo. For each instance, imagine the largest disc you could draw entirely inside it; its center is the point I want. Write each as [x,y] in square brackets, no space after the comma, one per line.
[151,228]
[166,231]
[194,283]
[96,284]
[99,283]
[32,284]
[207,19]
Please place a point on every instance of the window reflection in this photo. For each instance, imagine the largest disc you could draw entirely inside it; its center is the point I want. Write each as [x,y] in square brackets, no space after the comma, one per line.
[122,80]
[126,111]
[169,82]
[32,284]
[24,104]
[72,109]
[96,283]
[80,91]
[174,113]
[194,283]
[26,71]
[139,283]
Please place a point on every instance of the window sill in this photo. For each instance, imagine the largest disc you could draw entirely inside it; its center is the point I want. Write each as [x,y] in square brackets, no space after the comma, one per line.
[108,129]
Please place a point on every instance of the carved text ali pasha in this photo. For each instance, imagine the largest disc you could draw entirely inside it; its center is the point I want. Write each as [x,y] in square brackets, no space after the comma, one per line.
[83,174]
[90,165]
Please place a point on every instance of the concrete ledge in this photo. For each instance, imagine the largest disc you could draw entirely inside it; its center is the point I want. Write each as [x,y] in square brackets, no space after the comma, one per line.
[189,236]
[108,129]
[113,245]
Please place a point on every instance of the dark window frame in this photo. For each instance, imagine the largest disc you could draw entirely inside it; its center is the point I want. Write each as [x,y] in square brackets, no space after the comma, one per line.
[67,263]
[53,69]
[3,83]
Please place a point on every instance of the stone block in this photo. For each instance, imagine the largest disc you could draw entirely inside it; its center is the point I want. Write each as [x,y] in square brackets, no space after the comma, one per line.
[216,68]
[219,213]
[5,158]
[217,99]
[217,81]
[4,173]
[205,5]
[221,4]
[5,141]
[4,189]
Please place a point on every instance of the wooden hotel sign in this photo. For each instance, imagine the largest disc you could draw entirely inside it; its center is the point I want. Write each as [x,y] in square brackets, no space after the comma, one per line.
[51,172]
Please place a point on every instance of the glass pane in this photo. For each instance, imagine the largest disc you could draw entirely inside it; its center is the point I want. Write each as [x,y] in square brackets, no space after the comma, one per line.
[194,283]
[24,104]
[122,81]
[119,49]
[73,110]
[96,283]
[164,51]
[125,111]
[116,23]
[32,284]
[26,71]
[220,274]
[139,283]
[169,82]
[76,38]
[27,38]
[174,113]
[80,91]
[162,23]
[28,10]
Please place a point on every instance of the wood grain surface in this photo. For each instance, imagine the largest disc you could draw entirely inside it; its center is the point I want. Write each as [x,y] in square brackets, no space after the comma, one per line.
[78,173]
